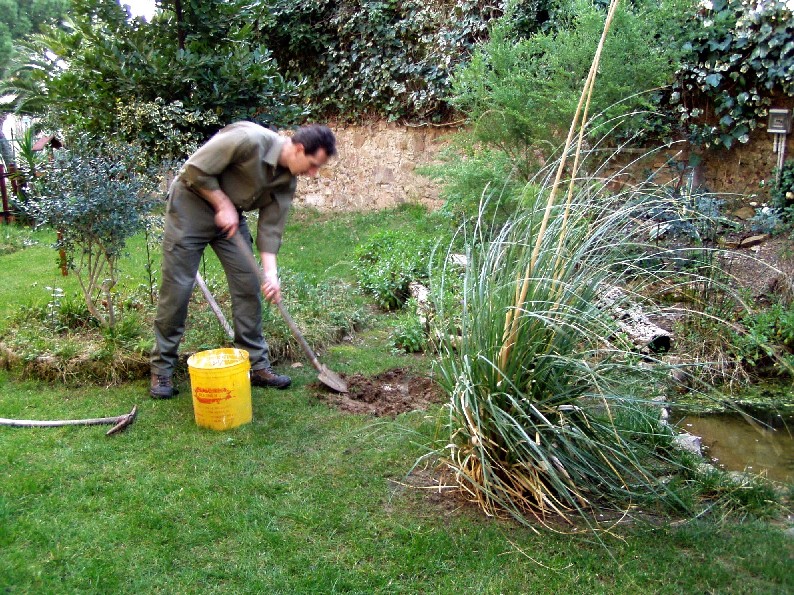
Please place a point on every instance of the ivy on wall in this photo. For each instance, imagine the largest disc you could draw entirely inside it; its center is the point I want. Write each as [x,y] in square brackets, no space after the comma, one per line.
[389,57]
[740,53]
[394,58]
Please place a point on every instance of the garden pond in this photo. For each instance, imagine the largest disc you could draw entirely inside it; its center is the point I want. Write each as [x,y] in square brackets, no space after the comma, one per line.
[759,440]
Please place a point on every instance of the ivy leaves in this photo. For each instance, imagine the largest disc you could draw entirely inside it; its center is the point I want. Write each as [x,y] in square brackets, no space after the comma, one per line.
[738,55]
[385,57]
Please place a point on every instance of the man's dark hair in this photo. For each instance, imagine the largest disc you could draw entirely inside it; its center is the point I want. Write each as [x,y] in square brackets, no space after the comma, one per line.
[315,137]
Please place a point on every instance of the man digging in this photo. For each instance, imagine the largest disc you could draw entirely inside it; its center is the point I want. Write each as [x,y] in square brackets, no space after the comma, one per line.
[243,167]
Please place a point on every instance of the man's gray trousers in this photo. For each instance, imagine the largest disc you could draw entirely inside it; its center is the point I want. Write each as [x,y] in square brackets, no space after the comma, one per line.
[189,228]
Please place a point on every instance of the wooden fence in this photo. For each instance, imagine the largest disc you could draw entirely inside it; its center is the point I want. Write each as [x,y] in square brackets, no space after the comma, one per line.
[8,181]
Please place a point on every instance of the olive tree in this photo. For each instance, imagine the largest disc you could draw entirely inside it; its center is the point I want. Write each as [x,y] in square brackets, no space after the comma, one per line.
[96,195]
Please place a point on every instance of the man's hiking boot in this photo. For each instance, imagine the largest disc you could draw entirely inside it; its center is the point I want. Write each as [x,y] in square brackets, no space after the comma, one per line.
[162,387]
[268,378]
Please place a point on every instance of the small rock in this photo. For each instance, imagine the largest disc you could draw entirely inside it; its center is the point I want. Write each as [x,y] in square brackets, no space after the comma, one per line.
[296,365]
[689,443]
[753,241]
[679,376]
[744,213]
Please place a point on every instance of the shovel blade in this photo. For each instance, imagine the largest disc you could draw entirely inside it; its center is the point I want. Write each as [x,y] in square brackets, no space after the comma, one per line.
[332,380]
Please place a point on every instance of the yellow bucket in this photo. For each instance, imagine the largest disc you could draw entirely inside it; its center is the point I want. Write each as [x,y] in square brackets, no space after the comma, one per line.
[221,388]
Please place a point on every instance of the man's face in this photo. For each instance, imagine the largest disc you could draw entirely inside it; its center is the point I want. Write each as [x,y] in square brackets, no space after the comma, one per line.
[307,165]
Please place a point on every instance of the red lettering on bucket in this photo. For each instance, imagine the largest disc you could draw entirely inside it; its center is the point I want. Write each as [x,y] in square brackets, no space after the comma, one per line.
[211,395]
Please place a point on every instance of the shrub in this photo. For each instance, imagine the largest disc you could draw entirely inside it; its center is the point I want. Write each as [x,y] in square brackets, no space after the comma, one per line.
[58,339]
[96,195]
[683,211]
[407,332]
[778,214]
[781,196]
[768,340]
[207,58]
[387,263]
[168,130]
[520,93]
[471,174]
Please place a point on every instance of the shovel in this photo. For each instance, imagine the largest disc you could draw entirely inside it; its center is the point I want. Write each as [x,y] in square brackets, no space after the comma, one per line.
[326,376]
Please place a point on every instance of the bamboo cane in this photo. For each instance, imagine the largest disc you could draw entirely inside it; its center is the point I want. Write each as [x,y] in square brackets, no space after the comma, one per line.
[581,108]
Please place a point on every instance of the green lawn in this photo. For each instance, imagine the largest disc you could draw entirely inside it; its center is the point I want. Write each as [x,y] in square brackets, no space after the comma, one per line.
[305,499]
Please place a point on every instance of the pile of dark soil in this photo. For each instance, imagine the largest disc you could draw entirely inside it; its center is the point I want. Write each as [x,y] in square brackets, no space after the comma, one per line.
[388,394]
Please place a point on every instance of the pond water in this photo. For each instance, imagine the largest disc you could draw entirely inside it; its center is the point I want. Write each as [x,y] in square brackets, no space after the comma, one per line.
[734,444]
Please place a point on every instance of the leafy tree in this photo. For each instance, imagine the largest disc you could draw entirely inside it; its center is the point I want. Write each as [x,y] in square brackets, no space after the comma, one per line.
[19,18]
[97,195]
[104,58]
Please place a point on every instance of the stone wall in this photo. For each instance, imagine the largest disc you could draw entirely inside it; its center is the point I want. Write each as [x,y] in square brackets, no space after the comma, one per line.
[737,174]
[742,169]
[376,168]
[377,162]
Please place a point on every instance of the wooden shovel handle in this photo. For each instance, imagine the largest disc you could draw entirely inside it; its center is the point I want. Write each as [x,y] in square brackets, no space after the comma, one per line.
[282,310]
[299,336]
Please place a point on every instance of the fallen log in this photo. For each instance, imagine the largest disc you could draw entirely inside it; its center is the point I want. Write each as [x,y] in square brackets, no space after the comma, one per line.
[631,319]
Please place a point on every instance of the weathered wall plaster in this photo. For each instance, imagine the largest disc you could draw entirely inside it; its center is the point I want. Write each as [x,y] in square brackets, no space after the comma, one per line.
[377,162]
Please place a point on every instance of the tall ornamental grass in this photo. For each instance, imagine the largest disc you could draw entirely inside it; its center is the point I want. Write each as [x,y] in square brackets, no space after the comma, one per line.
[543,417]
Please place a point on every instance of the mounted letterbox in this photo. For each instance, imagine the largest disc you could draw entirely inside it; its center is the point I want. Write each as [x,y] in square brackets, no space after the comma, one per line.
[779,121]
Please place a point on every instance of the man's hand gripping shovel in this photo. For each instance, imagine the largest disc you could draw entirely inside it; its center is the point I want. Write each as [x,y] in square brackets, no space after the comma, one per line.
[326,376]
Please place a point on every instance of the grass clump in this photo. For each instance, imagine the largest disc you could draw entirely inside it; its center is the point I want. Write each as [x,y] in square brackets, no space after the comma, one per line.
[538,372]
[554,411]
[14,238]
[61,341]
[325,311]
[57,338]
